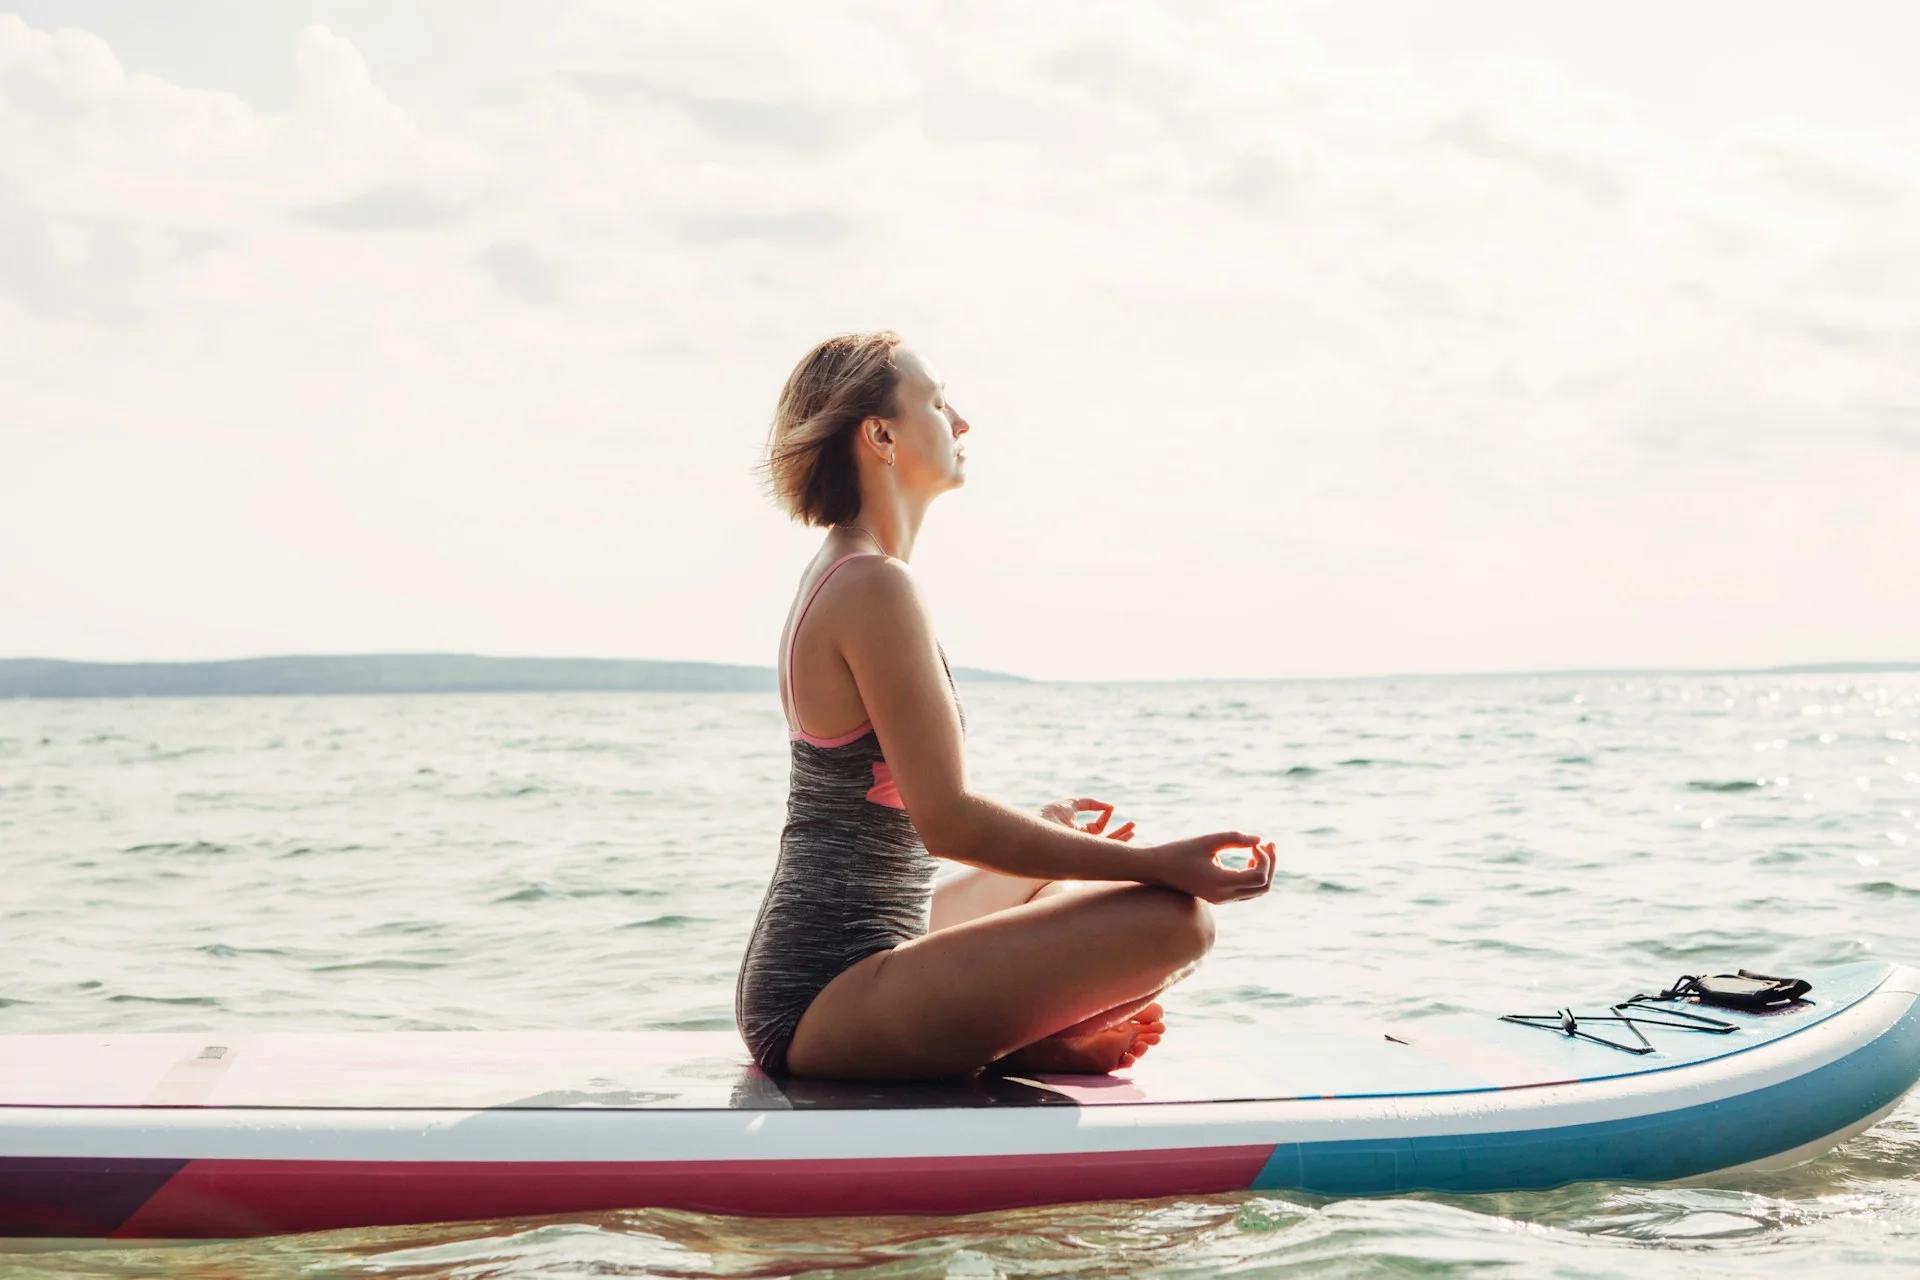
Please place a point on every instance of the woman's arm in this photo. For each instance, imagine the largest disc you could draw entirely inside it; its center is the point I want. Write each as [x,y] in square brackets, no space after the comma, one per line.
[887,642]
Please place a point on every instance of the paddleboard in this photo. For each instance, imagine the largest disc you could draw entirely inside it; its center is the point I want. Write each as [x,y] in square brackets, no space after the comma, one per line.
[196,1135]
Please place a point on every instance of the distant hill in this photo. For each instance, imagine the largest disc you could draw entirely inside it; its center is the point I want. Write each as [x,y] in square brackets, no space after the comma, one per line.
[383,673]
[472,673]
[1842,668]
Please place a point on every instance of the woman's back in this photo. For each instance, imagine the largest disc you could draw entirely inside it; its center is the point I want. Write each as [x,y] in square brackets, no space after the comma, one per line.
[852,878]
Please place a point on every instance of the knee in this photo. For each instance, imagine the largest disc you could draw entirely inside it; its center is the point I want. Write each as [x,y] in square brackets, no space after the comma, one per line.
[1185,924]
[1197,920]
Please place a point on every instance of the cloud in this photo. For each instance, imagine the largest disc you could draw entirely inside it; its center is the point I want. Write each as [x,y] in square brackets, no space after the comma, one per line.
[337,85]
[810,227]
[792,124]
[1210,288]
[1486,134]
[1267,176]
[66,103]
[397,206]
[1841,169]
[1532,117]
[1897,424]
[525,272]
[809,81]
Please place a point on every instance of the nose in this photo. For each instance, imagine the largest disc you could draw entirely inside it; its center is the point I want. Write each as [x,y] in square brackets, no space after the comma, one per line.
[960,425]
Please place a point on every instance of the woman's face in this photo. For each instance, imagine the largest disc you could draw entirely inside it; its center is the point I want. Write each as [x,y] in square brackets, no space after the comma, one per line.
[926,429]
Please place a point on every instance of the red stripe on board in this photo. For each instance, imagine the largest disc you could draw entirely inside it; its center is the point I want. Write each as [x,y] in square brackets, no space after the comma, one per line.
[265,1197]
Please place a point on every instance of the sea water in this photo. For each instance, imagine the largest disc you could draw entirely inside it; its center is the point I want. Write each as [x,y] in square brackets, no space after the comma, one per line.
[594,861]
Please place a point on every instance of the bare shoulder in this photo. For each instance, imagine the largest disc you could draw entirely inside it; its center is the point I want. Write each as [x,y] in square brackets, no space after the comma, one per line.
[877,607]
[880,585]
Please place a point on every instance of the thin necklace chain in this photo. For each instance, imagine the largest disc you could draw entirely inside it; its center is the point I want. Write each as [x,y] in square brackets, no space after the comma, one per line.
[870,534]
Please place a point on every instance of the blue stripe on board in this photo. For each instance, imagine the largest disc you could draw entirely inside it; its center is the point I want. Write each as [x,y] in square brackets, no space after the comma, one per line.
[1655,1148]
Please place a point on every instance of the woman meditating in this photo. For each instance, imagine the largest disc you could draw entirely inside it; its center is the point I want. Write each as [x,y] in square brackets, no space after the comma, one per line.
[1049,953]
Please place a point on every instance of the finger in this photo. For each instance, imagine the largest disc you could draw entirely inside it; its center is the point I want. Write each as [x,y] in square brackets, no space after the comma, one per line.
[1259,864]
[1231,840]
[1099,808]
[1248,886]
[1263,860]
[1122,832]
[1237,869]
[1102,808]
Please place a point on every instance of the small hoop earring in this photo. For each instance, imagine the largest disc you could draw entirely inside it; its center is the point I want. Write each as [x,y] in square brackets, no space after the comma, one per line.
[889,459]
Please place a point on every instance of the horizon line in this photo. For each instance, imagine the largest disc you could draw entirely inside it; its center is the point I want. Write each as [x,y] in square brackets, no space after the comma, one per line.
[1889,666]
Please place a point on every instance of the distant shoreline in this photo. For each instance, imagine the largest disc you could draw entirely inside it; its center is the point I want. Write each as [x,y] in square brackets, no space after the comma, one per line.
[1574,673]
[386,673]
[474,673]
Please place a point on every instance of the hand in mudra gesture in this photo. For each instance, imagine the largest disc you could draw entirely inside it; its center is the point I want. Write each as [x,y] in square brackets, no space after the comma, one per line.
[1065,811]
[1192,866]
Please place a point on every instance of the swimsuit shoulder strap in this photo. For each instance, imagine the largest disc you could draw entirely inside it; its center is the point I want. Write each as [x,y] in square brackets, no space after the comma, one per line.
[793,636]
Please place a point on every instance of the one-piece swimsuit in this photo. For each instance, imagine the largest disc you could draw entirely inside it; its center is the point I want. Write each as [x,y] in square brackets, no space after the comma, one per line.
[853,877]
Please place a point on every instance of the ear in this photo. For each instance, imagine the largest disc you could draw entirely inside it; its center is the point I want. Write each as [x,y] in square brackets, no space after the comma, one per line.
[875,432]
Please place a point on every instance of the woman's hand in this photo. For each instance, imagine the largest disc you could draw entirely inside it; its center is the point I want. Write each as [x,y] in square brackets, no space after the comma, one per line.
[1064,812]
[1194,866]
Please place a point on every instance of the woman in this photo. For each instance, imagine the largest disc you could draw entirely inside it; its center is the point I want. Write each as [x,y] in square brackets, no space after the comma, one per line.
[858,967]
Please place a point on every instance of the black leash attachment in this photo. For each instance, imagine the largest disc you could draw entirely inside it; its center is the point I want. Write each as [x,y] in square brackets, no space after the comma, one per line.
[1753,992]
[1625,1014]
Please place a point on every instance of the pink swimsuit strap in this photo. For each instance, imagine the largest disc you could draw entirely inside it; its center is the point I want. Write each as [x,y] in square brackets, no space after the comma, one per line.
[793,637]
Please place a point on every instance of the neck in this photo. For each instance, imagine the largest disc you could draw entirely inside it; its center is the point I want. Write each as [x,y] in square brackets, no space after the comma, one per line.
[894,520]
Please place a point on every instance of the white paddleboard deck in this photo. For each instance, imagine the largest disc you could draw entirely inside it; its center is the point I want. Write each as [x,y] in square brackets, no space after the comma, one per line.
[143,1136]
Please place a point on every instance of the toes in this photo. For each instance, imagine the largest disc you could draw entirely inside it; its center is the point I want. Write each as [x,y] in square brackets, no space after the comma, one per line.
[1150,1018]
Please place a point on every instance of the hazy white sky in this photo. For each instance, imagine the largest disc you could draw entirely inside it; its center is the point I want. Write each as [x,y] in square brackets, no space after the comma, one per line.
[1307,338]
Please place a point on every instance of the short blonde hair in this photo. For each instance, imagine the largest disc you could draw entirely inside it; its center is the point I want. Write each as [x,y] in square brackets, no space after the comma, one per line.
[839,384]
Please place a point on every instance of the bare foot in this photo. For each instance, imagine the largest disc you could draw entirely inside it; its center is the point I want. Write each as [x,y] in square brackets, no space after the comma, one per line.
[1096,1052]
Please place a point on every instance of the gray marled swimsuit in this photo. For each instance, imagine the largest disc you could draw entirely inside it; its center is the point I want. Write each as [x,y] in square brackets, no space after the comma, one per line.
[852,879]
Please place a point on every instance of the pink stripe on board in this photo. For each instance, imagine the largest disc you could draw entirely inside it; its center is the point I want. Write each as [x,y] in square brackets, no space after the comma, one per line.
[214,1198]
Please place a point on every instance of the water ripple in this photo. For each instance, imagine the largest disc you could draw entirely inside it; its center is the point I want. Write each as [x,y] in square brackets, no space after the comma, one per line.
[595,861]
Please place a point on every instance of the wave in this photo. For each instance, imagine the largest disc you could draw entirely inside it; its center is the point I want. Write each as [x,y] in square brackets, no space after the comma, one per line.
[663,922]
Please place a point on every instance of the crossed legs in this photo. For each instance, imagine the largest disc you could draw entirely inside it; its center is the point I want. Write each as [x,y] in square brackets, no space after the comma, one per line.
[1045,975]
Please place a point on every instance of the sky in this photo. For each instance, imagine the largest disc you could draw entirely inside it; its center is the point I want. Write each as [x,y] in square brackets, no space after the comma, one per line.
[1298,339]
